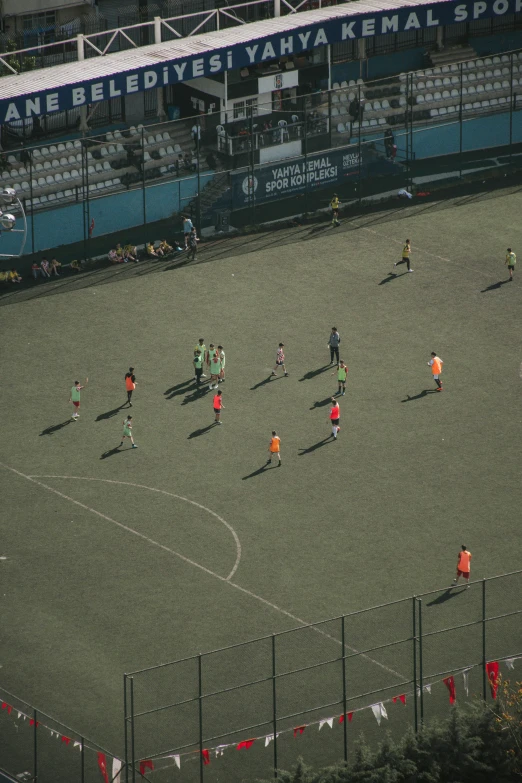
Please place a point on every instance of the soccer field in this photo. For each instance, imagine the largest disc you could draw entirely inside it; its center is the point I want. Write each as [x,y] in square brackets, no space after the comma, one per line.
[121,559]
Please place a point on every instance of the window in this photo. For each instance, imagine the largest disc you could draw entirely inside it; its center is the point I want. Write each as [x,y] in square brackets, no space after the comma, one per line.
[39,21]
[242,108]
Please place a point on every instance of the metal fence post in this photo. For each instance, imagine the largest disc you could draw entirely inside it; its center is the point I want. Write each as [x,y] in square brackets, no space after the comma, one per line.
[360,118]
[345,729]
[133,757]
[35,748]
[31,195]
[460,124]
[274,702]
[200,701]
[421,678]
[484,661]
[143,176]
[82,757]
[125,732]
[414,637]
[510,107]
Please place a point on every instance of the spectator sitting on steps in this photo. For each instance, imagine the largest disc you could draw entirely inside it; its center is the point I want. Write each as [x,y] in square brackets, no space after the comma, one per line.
[150,250]
[54,266]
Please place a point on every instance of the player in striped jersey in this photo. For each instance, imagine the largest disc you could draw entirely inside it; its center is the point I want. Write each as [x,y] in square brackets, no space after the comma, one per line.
[280,360]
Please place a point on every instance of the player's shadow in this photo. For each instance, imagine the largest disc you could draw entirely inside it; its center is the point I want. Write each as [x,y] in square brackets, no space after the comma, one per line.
[309,375]
[110,414]
[321,403]
[266,380]
[113,451]
[391,276]
[318,229]
[198,392]
[494,286]
[201,431]
[323,442]
[55,427]
[174,391]
[263,469]
[450,593]
[420,395]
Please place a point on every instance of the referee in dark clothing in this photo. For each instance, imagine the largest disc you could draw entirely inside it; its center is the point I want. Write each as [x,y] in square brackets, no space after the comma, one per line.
[333,344]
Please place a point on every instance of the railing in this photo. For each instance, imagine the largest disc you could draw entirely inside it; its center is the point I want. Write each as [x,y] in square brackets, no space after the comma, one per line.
[344,671]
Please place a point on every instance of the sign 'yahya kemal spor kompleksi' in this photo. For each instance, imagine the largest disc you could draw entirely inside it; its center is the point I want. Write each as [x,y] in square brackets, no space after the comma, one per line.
[346,27]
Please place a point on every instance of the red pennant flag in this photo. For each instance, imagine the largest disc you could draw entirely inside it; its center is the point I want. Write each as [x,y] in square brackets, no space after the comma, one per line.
[102,763]
[66,740]
[8,707]
[246,744]
[394,700]
[32,722]
[299,730]
[402,697]
[146,764]
[206,757]
[493,677]
[449,682]
[349,715]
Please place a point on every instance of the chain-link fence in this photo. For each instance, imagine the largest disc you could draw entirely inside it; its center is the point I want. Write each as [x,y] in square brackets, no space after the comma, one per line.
[397,661]
[36,747]
[418,132]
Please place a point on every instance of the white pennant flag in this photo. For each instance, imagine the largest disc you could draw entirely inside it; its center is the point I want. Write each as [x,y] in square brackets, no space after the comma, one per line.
[19,715]
[176,760]
[329,721]
[465,677]
[510,663]
[77,745]
[379,712]
[116,769]
[220,749]
[269,738]
[427,688]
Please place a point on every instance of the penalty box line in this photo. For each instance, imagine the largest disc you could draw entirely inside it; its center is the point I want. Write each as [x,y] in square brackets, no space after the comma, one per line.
[208,571]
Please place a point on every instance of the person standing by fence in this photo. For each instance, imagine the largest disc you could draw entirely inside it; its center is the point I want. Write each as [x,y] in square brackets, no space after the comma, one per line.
[463,565]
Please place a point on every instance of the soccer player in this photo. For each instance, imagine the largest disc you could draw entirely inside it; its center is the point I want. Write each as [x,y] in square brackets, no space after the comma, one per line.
[280,360]
[215,369]
[221,354]
[274,449]
[333,345]
[436,369]
[463,565]
[334,206]
[342,372]
[130,384]
[209,354]
[406,250]
[127,432]
[335,415]
[218,404]
[511,260]
[198,366]
[192,245]
[203,350]
[75,397]
[187,228]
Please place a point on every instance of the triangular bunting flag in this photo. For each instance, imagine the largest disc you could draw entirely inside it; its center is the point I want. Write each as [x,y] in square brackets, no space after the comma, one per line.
[102,764]
[402,697]
[379,712]
[270,738]
[427,688]
[206,756]
[33,722]
[146,764]
[349,715]
[449,682]
[177,761]
[465,677]
[66,740]
[329,721]
[493,677]
[299,730]
[18,715]
[77,745]
[246,744]
[116,769]
[219,750]
[8,707]
[510,663]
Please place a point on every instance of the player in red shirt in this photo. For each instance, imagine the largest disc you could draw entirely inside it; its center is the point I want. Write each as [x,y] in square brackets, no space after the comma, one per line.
[335,414]
[218,404]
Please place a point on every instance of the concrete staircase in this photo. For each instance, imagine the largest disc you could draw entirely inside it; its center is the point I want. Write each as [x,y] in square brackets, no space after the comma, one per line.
[212,198]
[453,54]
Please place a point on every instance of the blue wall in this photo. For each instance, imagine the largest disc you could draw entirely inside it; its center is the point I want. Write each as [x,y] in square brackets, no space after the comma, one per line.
[491,44]
[64,225]
[400,62]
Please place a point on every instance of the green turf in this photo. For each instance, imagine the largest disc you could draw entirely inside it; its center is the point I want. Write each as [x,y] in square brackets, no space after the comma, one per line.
[376,516]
